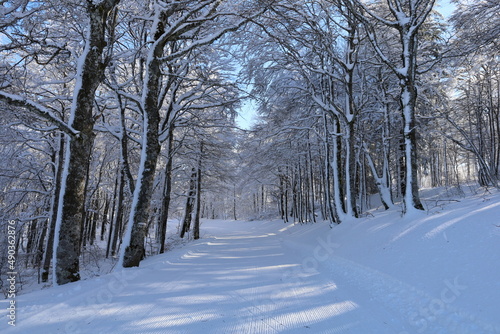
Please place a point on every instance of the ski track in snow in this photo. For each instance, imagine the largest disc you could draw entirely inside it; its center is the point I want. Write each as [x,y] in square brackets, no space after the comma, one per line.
[249,277]
[415,310]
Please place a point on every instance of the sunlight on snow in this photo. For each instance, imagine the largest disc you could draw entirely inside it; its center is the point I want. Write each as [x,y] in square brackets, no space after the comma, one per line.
[449,223]
[238,237]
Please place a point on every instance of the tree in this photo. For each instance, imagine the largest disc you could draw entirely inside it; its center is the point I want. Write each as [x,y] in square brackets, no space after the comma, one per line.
[474,115]
[318,43]
[477,24]
[177,30]
[408,16]
[89,72]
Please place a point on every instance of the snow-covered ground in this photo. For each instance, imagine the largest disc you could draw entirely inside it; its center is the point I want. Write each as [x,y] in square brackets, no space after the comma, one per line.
[434,272]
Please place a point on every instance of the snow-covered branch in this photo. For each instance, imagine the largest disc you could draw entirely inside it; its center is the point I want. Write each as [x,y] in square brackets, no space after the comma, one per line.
[38,109]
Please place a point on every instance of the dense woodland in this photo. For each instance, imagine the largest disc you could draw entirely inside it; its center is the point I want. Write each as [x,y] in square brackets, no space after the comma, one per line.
[118,117]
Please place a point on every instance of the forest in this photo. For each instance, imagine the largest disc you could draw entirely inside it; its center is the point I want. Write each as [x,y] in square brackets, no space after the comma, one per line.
[119,117]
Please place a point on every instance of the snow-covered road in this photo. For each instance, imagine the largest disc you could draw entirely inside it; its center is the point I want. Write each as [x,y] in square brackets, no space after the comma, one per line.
[247,279]
[270,277]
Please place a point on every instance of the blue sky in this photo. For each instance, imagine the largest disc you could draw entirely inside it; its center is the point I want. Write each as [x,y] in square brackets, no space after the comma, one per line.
[445,7]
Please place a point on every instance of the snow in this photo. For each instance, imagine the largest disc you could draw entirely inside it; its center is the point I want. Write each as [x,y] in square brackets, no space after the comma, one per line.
[402,19]
[144,145]
[137,191]
[60,205]
[74,106]
[434,272]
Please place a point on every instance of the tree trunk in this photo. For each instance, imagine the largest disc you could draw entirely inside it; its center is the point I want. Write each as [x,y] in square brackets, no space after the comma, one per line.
[59,162]
[196,225]
[350,171]
[331,202]
[281,199]
[188,212]
[167,190]
[113,212]
[234,203]
[350,114]
[90,73]
[105,217]
[70,218]
[134,250]
[381,181]
[408,100]
[118,223]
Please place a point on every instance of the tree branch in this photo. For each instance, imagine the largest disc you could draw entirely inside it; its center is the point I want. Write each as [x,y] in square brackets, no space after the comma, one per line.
[40,110]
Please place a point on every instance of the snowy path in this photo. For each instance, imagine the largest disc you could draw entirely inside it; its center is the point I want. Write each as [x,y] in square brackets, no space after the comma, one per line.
[245,280]
[249,277]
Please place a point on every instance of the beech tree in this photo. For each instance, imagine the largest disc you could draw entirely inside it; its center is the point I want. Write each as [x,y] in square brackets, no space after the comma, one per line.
[187,26]
[88,74]
[407,18]
[318,42]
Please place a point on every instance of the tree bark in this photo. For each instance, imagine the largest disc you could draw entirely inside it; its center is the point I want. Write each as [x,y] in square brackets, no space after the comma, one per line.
[188,212]
[135,251]
[118,223]
[408,100]
[167,190]
[196,223]
[89,76]
[136,234]
[59,162]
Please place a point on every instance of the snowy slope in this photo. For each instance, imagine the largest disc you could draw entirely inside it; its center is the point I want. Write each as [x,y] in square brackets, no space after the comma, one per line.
[437,272]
